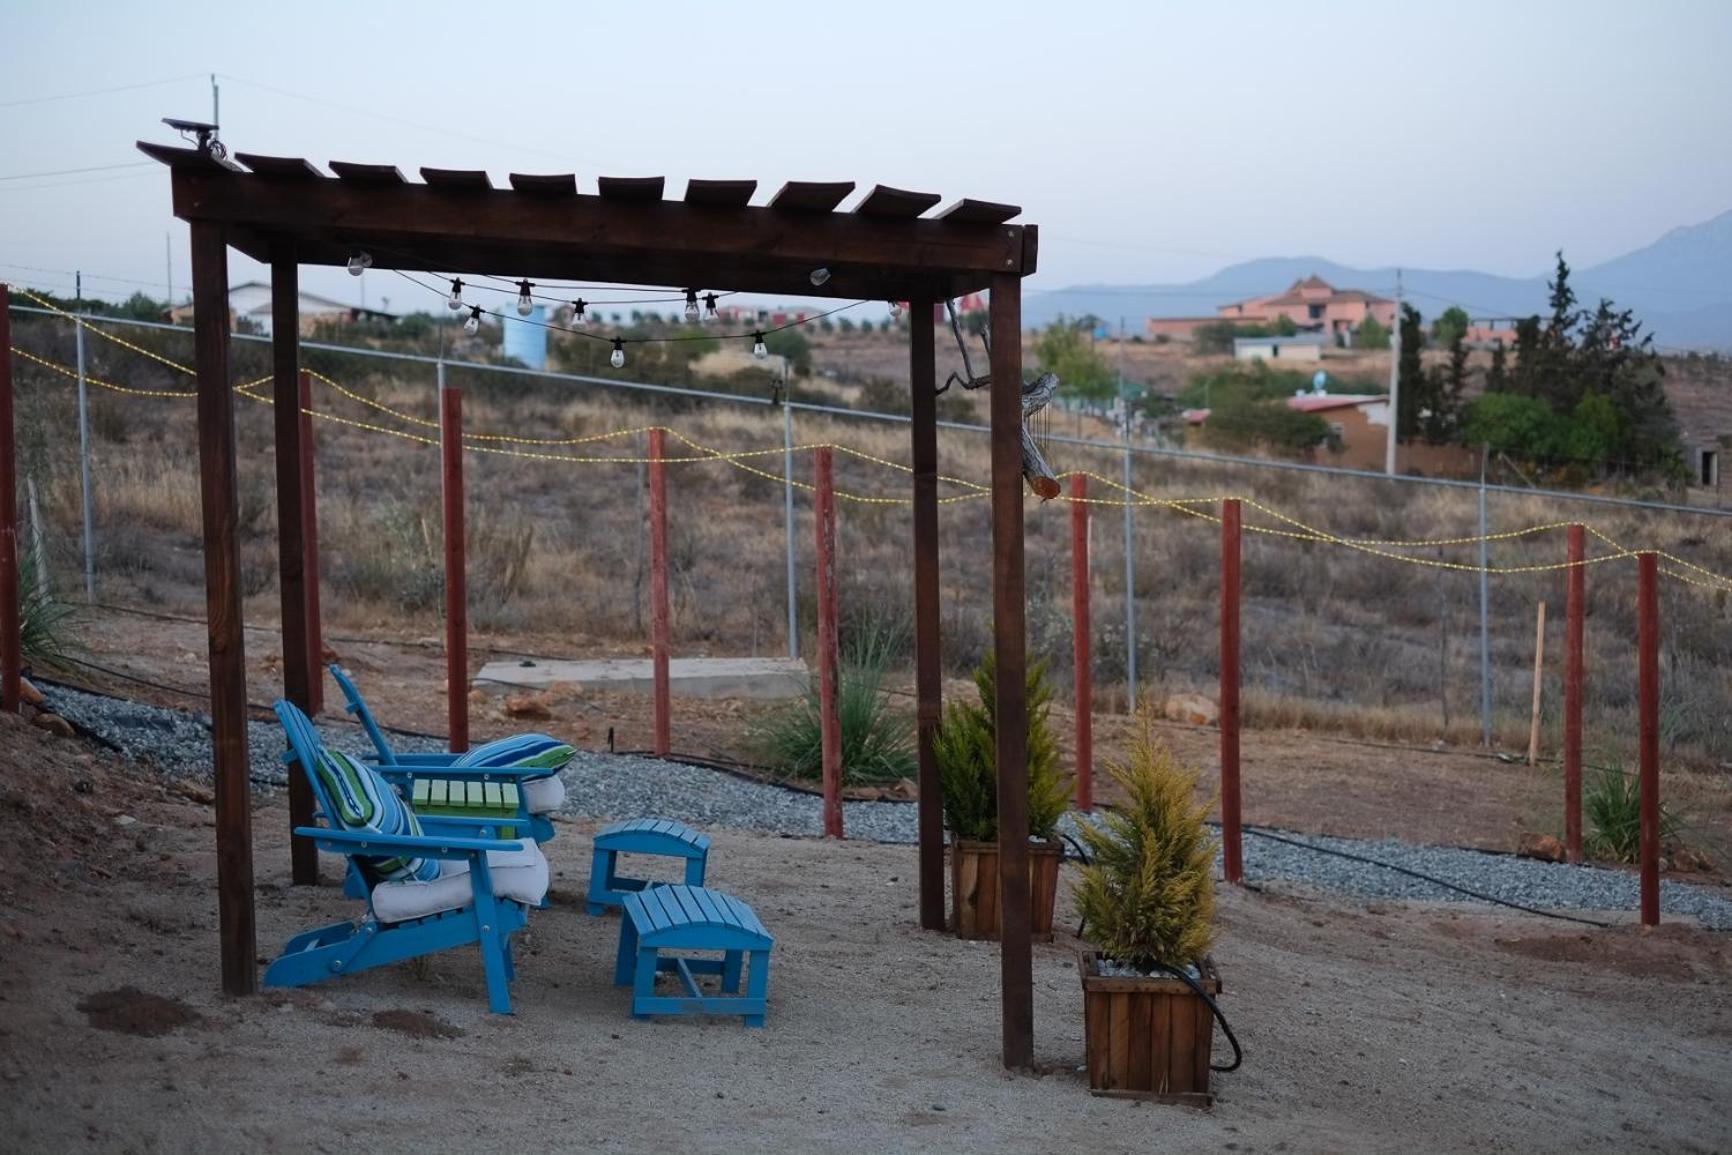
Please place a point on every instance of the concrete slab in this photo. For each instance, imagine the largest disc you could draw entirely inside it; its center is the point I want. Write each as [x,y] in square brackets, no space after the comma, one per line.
[687,677]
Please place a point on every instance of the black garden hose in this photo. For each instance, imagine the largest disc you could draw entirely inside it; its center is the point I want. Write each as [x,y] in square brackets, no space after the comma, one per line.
[1197,989]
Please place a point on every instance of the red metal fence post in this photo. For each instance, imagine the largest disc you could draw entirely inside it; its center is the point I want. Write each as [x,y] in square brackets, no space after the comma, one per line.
[1079,612]
[11,642]
[456,576]
[1232,854]
[829,724]
[1575,587]
[1648,697]
[659,591]
[310,551]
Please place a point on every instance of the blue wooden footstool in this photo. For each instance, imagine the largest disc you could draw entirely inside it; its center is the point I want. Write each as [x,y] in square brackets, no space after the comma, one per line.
[687,918]
[641,836]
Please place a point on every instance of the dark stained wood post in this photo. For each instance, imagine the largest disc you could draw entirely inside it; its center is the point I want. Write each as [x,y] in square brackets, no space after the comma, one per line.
[1648,729]
[928,667]
[222,569]
[1080,655]
[11,641]
[1232,851]
[1009,634]
[658,512]
[456,575]
[829,724]
[310,550]
[300,664]
[1575,660]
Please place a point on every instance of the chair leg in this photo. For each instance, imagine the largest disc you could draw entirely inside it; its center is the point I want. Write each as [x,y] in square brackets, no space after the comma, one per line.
[510,960]
[732,963]
[758,985]
[695,871]
[600,875]
[622,966]
[644,985]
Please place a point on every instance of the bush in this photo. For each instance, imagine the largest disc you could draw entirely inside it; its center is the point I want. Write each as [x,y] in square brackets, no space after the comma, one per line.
[1613,803]
[41,619]
[877,739]
[966,747]
[1147,894]
[1371,334]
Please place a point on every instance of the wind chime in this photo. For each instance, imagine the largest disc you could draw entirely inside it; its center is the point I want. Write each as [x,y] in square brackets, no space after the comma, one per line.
[1035,396]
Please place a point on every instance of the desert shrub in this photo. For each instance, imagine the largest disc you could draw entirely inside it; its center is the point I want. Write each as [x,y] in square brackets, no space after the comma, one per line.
[877,738]
[41,620]
[1147,894]
[1613,802]
[966,748]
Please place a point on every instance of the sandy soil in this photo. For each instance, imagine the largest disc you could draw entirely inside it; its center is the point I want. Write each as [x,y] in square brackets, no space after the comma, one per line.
[1366,1029]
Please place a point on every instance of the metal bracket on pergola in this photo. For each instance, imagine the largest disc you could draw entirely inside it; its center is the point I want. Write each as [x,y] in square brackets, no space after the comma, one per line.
[285,212]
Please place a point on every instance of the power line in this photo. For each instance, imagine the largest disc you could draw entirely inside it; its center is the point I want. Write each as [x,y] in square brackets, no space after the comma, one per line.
[76,171]
[100,91]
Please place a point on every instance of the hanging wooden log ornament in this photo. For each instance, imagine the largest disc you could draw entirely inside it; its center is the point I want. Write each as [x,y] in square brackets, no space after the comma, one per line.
[1035,396]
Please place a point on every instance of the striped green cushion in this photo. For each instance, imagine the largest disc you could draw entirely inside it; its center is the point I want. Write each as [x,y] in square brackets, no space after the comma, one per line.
[520,752]
[364,801]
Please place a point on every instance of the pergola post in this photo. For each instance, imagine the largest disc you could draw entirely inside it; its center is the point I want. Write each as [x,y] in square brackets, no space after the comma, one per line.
[310,550]
[456,573]
[222,565]
[1009,630]
[928,668]
[11,652]
[300,664]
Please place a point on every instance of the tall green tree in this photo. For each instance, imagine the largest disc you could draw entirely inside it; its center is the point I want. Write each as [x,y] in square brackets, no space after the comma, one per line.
[1415,387]
[1067,349]
[1450,324]
[1371,334]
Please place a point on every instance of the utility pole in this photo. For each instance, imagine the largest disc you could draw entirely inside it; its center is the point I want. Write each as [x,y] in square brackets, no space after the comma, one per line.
[1484,612]
[1130,555]
[84,443]
[168,266]
[1394,384]
[215,103]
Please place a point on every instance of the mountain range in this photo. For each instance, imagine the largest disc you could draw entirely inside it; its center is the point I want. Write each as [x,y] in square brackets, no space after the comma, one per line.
[1680,286]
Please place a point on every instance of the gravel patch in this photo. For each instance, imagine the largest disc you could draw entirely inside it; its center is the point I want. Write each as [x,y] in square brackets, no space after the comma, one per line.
[606,787]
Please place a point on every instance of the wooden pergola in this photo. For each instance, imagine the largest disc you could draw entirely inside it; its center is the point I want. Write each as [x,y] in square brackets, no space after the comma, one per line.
[284,212]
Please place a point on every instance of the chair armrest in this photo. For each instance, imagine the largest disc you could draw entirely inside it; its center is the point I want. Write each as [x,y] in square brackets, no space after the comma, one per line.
[411,761]
[455,823]
[425,846]
[407,770]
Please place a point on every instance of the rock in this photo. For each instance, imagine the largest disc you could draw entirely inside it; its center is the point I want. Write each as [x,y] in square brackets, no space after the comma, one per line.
[1693,861]
[327,655]
[194,792]
[54,724]
[1541,846]
[125,820]
[528,706]
[905,788]
[1192,709]
[29,694]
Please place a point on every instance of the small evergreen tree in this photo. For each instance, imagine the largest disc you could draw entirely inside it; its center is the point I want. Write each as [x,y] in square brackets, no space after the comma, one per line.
[1371,334]
[966,748]
[1415,387]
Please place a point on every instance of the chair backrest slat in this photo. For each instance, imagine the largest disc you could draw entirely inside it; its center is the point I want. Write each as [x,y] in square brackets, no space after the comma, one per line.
[358,707]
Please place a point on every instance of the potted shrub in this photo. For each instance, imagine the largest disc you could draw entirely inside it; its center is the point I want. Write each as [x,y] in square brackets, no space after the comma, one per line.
[966,748]
[1147,900]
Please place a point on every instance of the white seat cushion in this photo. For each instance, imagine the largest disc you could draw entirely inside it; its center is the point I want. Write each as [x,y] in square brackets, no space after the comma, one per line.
[543,795]
[517,874]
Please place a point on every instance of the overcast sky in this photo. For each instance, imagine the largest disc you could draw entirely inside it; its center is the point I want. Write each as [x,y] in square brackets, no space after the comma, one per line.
[1151,141]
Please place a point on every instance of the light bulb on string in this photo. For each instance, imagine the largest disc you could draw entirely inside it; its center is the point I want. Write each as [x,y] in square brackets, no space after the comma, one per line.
[617,360]
[819,276]
[359,262]
[525,302]
[473,324]
[709,306]
[691,306]
[455,301]
[577,308]
[895,310]
[759,349]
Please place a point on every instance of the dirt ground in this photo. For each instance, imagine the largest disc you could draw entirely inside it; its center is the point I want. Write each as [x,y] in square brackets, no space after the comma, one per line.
[1365,1028]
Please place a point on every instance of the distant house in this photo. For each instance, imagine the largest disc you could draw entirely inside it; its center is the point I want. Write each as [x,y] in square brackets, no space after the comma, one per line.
[1359,435]
[1299,347]
[252,300]
[1315,306]
[1176,328]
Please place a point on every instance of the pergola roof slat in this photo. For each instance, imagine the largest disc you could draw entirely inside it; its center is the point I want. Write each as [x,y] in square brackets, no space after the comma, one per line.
[457,179]
[973,212]
[811,196]
[631,188]
[366,174]
[281,167]
[721,194]
[895,203]
[545,184]
[177,157]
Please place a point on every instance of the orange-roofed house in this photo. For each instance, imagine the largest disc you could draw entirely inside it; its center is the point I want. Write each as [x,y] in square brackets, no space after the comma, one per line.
[1315,306]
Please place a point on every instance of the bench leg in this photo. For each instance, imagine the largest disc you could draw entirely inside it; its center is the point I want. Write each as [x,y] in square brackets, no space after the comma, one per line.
[732,963]
[695,871]
[622,964]
[600,879]
[644,985]
[758,985]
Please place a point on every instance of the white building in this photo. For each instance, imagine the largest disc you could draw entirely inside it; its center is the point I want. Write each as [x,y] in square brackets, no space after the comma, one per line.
[1299,347]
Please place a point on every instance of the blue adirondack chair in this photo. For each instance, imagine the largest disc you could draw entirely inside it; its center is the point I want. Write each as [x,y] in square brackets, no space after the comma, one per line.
[541,789]
[480,893]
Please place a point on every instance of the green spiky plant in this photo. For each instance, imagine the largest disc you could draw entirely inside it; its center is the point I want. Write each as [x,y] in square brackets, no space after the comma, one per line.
[1147,893]
[41,619]
[877,738]
[966,748]
[1613,802]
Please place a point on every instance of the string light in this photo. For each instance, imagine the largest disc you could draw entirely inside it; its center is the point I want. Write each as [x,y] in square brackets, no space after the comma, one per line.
[710,307]
[577,308]
[759,349]
[359,262]
[473,324]
[456,300]
[525,299]
[895,310]
[819,276]
[617,360]
[691,306]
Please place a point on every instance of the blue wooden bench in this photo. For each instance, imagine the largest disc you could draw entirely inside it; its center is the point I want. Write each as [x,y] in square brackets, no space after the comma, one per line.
[658,836]
[686,918]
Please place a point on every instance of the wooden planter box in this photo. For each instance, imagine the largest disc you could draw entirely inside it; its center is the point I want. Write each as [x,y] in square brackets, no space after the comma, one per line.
[974,887]
[1148,1038]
